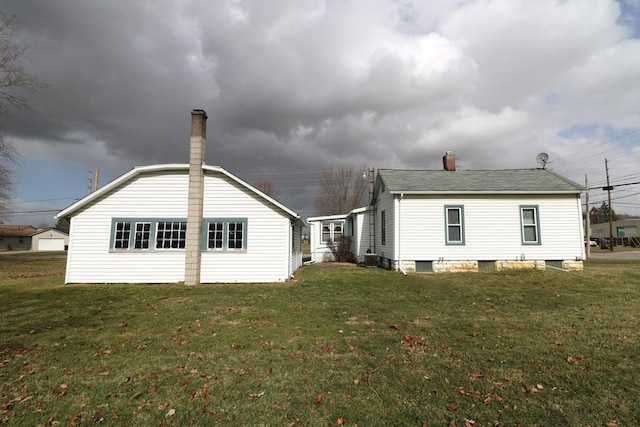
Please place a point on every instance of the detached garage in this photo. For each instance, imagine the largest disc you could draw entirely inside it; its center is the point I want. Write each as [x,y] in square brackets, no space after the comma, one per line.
[49,239]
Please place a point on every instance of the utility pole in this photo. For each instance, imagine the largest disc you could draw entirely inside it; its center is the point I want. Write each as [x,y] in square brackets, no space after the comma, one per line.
[95,182]
[609,188]
[90,183]
[587,225]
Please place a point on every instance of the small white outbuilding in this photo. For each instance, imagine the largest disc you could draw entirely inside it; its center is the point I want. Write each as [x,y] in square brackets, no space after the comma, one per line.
[175,223]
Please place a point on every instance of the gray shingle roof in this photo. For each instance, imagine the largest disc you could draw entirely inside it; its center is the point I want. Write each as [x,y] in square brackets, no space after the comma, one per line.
[471,181]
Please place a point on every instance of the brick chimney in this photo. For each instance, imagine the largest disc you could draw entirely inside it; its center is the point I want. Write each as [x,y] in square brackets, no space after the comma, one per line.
[449,161]
[193,245]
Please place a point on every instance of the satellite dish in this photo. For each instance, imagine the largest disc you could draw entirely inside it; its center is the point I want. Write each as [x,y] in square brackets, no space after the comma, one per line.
[542,158]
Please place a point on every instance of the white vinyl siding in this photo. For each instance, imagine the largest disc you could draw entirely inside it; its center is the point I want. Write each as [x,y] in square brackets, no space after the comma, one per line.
[91,259]
[322,231]
[266,256]
[492,228]
[389,204]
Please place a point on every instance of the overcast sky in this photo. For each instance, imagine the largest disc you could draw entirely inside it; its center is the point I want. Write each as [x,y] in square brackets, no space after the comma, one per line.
[291,87]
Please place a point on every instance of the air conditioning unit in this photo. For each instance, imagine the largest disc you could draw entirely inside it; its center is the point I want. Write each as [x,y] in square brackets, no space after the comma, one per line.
[371,260]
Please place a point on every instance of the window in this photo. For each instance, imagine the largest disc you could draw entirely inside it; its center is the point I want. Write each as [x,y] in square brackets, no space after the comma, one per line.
[454,218]
[337,232]
[171,235]
[122,235]
[326,232]
[529,224]
[143,229]
[332,231]
[236,233]
[215,235]
[225,234]
[383,228]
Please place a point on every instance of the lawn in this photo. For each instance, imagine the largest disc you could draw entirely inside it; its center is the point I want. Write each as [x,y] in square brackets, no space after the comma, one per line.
[340,345]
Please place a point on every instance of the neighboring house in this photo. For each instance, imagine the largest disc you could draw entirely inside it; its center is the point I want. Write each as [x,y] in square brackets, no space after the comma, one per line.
[325,232]
[49,239]
[182,223]
[466,220]
[16,237]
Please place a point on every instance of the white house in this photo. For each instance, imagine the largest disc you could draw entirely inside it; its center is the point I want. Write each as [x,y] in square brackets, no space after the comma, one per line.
[466,220]
[175,223]
[324,232]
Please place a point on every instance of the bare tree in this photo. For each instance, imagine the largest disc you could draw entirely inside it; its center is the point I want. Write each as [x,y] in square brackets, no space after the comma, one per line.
[343,188]
[267,187]
[15,84]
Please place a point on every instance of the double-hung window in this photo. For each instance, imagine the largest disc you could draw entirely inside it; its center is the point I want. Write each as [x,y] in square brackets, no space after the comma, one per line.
[454,227]
[223,234]
[530,225]
[337,232]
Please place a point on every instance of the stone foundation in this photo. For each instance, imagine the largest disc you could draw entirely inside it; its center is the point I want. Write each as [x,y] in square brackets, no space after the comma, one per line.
[442,266]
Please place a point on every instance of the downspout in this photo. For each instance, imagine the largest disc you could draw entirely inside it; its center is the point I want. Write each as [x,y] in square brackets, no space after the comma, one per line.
[290,250]
[400,267]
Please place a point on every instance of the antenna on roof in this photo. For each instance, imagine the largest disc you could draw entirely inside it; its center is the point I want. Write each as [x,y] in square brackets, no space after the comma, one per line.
[542,158]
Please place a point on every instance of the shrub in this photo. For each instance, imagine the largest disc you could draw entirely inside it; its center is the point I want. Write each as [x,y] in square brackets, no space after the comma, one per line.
[342,250]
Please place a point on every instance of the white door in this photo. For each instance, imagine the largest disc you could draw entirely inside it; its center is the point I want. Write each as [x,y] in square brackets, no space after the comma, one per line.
[51,245]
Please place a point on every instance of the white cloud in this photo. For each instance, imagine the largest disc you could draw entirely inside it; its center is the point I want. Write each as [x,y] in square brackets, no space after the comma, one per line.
[298,85]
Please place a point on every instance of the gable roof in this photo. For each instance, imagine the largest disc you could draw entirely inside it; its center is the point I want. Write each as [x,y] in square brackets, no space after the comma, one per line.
[504,181]
[138,170]
[49,229]
[16,230]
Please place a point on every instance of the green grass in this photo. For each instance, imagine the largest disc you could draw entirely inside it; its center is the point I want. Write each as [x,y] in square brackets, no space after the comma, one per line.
[339,345]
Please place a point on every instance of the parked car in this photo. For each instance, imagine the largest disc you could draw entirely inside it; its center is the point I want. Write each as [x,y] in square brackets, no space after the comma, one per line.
[591,243]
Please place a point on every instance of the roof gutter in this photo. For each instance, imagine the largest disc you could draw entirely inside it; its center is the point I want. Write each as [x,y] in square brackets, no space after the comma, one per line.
[487,192]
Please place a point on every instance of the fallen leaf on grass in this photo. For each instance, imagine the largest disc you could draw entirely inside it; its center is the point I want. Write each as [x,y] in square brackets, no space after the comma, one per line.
[256,395]
[318,399]
[341,421]
[170,413]
[394,326]
[135,395]
[576,361]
